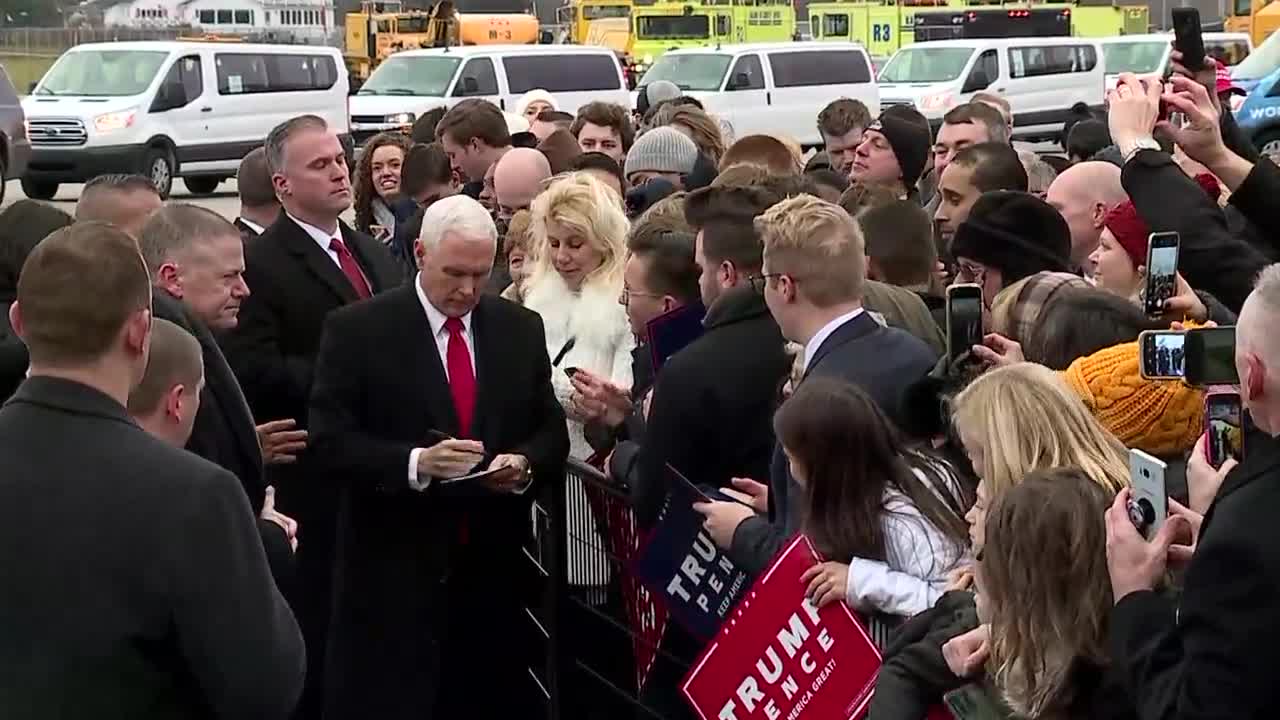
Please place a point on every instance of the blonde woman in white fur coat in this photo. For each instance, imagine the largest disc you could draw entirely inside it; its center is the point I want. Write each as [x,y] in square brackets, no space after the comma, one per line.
[578,250]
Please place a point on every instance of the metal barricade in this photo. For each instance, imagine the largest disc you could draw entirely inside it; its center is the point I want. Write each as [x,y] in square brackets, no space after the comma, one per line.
[603,637]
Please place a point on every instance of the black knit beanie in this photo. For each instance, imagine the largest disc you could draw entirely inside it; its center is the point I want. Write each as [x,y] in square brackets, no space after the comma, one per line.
[1016,233]
[910,142]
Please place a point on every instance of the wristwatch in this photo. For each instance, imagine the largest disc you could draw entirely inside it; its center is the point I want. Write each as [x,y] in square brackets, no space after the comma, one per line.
[1143,143]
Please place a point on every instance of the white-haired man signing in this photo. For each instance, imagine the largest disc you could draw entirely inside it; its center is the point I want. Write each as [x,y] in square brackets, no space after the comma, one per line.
[414,389]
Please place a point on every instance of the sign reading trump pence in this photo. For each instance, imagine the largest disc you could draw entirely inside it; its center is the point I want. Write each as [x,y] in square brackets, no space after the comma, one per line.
[780,658]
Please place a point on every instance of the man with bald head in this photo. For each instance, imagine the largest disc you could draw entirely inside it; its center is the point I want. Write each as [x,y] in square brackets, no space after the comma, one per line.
[125,201]
[518,178]
[1083,193]
[460,383]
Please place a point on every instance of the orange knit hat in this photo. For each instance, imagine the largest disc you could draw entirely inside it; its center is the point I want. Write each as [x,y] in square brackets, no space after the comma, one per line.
[1161,417]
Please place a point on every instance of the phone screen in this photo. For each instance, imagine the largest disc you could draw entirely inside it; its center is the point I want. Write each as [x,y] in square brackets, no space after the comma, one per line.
[1188,37]
[1211,356]
[1162,270]
[1163,354]
[1224,427]
[964,321]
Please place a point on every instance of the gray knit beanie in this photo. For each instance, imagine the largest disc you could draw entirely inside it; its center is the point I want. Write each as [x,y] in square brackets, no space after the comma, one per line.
[664,150]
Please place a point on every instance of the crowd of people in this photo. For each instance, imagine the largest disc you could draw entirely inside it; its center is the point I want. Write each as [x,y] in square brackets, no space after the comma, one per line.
[388,398]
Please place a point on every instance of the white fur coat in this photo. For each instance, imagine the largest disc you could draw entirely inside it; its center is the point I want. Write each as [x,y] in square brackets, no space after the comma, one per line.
[597,322]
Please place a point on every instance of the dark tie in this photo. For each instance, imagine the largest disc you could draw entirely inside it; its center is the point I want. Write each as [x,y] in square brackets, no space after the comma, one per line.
[462,379]
[351,268]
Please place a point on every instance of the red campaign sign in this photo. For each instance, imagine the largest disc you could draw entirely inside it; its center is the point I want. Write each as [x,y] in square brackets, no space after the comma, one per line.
[780,658]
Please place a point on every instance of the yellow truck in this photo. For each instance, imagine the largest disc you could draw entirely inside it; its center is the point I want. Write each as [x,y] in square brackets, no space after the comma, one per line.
[382,28]
[606,23]
[883,27]
[668,25]
[1259,18]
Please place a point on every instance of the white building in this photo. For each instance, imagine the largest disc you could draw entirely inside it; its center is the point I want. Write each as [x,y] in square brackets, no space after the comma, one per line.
[301,20]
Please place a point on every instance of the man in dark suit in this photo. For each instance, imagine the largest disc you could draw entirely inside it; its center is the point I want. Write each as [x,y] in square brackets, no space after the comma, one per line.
[302,267]
[711,411]
[152,598]
[814,269]
[259,208]
[427,612]
[196,260]
[1212,653]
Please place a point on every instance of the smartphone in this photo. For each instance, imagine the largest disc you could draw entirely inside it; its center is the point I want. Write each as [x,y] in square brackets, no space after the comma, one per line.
[964,318]
[1148,499]
[1188,38]
[1211,356]
[1162,271]
[1162,354]
[1223,427]
[571,371]
[971,702]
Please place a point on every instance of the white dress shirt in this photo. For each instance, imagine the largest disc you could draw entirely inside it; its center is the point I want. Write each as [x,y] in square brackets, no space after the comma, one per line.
[821,336]
[437,320]
[323,238]
[253,225]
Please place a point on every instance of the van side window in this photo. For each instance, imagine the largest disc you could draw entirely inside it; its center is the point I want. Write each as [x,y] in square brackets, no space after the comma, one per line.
[248,73]
[186,74]
[748,65]
[987,64]
[1051,60]
[561,73]
[481,71]
[821,67]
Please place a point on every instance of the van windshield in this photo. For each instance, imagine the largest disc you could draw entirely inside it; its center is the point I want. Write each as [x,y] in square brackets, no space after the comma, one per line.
[926,65]
[689,72]
[1262,61]
[1139,57]
[428,75]
[114,73]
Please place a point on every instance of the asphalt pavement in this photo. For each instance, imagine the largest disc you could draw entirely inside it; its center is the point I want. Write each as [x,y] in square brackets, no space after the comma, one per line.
[224,201]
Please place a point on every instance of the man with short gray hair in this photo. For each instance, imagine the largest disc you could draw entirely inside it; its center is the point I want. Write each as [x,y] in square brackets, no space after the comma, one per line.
[301,268]
[125,201]
[415,390]
[1216,648]
[196,261]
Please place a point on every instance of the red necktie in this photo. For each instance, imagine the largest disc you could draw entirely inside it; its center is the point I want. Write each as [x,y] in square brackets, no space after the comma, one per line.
[351,268]
[462,379]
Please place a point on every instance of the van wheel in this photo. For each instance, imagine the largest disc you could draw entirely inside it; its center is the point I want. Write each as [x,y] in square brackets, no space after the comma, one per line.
[158,166]
[39,190]
[1269,144]
[202,185]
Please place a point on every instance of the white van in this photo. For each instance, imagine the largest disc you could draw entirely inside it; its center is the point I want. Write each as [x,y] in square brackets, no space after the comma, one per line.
[1147,56]
[172,109]
[411,82]
[771,87]
[1041,77]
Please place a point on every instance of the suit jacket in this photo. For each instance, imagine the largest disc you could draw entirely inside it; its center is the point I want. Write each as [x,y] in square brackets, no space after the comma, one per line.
[152,598]
[224,431]
[883,362]
[711,416]
[293,285]
[404,568]
[13,356]
[1212,655]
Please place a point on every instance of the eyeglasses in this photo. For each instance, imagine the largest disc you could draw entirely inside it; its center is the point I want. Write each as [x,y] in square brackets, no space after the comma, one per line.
[761,281]
[624,298]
